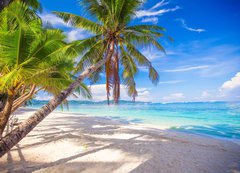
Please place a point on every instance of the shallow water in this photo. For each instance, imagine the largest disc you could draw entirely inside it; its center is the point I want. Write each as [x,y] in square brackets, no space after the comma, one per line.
[219,119]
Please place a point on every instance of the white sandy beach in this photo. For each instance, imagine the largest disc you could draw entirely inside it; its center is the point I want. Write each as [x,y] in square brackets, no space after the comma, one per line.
[76,143]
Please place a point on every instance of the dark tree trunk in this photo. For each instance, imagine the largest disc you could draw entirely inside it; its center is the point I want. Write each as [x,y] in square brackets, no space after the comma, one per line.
[11,139]
[6,112]
[3,100]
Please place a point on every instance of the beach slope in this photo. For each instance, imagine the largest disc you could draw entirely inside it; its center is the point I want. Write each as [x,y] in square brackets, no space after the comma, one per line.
[78,143]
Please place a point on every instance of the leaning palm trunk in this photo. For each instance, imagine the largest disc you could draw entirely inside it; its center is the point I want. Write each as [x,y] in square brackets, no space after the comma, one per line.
[11,139]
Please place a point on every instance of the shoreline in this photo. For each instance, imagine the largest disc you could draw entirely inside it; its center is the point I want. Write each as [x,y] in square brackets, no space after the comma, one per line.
[65,142]
[146,125]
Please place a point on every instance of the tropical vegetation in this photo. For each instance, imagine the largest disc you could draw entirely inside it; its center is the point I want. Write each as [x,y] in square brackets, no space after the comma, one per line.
[110,48]
[110,26]
[32,59]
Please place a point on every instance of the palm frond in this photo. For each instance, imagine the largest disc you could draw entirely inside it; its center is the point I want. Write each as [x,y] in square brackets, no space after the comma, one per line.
[91,56]
[143,61]
[129,72]
[141,39]
[84,91]
[80,22]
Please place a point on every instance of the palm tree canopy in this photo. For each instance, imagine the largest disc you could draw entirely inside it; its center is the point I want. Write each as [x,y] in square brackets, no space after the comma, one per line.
[32,55]
[110,23]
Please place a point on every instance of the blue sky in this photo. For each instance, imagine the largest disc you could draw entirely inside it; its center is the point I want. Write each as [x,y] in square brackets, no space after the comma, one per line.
[203,62]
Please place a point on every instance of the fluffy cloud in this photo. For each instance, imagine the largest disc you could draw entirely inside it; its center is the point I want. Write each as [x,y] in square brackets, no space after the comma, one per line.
[233,83]
[205,94]
[144,95]
[72,34]
[231,89]
[76,34]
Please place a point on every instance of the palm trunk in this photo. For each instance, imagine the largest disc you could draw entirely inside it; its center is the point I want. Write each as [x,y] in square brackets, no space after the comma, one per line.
[116,89]
[108,73]
[116,83]
[5,114]
[11,139]
[20,101]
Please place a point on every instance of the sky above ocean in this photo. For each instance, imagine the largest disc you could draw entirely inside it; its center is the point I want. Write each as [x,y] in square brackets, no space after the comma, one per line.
[203,62]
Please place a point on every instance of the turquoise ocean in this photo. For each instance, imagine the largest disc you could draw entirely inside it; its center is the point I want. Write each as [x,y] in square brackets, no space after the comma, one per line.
[216,119]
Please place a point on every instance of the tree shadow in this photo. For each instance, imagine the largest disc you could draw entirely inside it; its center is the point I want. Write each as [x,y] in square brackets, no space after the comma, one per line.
[152,148]
[67,159]
[10,162]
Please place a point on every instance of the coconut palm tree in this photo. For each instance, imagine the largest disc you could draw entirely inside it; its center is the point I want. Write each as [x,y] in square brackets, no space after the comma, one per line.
[111,26]
[32,3]
[113,43]
[31,59]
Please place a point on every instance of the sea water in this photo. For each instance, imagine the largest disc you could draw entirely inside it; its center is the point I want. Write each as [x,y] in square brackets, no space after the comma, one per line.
[218,119]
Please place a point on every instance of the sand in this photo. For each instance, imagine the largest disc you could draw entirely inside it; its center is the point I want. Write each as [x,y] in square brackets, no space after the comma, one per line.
[79,143]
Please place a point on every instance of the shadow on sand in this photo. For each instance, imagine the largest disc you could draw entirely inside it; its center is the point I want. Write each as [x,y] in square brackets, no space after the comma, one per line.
[143,149]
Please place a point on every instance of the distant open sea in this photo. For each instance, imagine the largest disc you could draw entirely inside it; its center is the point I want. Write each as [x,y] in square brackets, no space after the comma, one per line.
[218,119]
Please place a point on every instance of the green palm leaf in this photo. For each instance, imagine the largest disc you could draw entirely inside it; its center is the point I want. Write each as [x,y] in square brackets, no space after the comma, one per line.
[113,17]
[80,22]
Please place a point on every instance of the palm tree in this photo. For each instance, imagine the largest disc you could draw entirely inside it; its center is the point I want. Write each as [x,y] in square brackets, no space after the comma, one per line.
[31,59]
[32,3]
[113,37]
[112,28]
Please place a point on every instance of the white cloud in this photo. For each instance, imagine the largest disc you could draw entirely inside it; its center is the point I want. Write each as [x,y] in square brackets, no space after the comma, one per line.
[222,59]
[153,20]
[152,53]
[188,68]
[99,93]
[232,83]
[171,82]
[72,34]
[184,25]
[205,94]
[160,4]
[230,90]
[76,34]
[143,94]
[154,12]
[174,97]
[49,18]
[42,95]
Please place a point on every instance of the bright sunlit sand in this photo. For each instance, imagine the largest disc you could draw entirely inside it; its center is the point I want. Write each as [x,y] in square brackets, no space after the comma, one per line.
[119,86]
[66,142]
